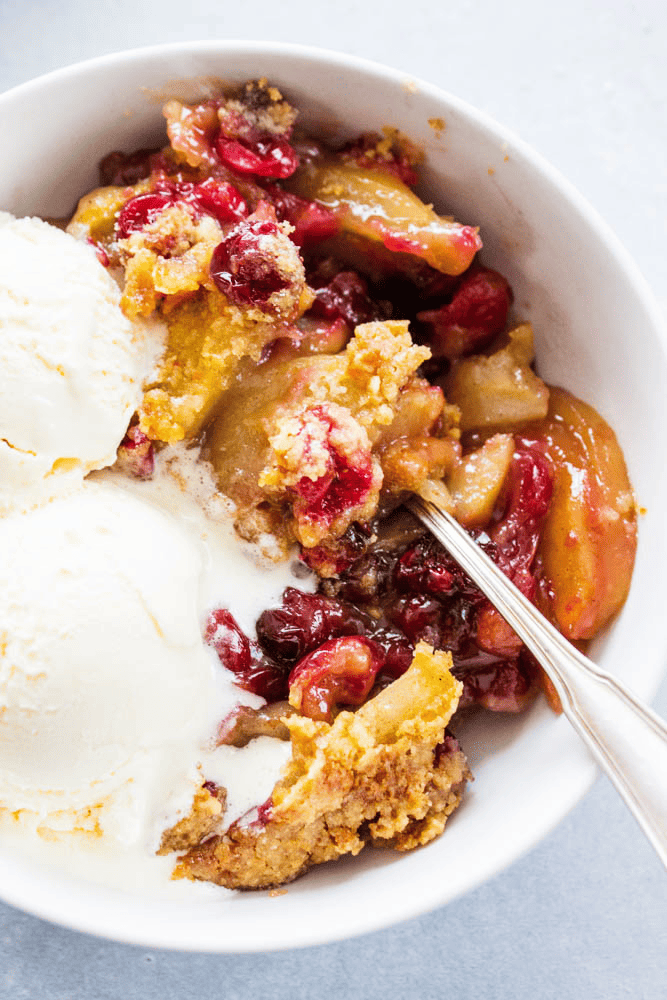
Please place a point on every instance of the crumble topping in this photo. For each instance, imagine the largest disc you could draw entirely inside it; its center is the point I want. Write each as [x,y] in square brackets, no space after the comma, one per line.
[207,810]
[207,337]
[168,257]
[261,107]
[379,775]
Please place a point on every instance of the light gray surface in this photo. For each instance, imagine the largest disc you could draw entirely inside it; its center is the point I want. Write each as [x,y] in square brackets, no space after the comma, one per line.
[585,914]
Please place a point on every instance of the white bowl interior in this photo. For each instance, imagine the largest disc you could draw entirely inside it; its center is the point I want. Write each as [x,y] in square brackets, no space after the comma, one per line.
[598,333]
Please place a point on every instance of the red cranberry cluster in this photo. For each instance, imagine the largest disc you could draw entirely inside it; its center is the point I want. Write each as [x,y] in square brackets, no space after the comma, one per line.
[476,313]
[464,315]
[253,670]
[247,149]
[212,196]
[329,650]
[423,593]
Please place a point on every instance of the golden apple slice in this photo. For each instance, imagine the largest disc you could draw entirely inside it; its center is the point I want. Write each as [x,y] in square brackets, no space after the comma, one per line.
[476,480]
[587,550]
[500,390]
[379,207]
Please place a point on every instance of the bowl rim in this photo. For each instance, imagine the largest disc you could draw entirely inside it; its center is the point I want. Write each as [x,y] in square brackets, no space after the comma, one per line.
[112,923]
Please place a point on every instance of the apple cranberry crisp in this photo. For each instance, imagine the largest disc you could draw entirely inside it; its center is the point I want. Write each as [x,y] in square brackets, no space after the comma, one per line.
[333,343]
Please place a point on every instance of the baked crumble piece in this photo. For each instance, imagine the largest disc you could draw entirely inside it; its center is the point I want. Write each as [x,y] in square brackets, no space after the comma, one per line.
[305,437]
[208,807]
[386,774]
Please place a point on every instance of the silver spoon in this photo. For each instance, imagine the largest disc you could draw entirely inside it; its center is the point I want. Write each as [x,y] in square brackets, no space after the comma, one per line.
[628,740]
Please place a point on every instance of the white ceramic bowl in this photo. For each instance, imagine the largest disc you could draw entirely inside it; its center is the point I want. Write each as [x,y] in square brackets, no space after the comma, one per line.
[598,333]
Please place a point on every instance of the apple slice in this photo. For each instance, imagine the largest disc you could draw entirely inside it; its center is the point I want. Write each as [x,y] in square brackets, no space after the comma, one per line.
[380,208]
[585,557]
[498,391]
[476,480]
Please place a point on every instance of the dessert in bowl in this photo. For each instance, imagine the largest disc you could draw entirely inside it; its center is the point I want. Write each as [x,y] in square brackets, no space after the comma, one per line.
[559,263]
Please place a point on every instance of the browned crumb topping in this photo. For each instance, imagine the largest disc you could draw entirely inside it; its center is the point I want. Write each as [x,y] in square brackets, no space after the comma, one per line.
[392,142]
[263,107]
[378,775]
[168,257]
[207,337]
[207,810]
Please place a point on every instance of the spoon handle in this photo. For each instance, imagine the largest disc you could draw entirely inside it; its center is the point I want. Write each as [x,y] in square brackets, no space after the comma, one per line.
[628,740]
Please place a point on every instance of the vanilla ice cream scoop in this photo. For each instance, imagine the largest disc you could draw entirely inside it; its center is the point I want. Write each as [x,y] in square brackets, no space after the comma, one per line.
[107,692]
[70,366]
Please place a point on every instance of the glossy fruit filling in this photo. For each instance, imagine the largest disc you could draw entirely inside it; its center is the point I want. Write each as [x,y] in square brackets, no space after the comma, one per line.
[287,273]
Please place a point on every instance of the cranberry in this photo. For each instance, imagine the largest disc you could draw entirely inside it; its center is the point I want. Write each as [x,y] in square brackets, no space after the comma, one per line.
[264,677]
[241,267]
[213,197]
[253,671]
[344,485]
[313,223]
[397,650]
[426,568]
[503,687]
[229,641]
[517,533]
[345,296]
[419,617]
[476,314]
[263,156]
[136,455]
[368,578]
[220,199]
[305,621]
[339,672]
[141,211]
